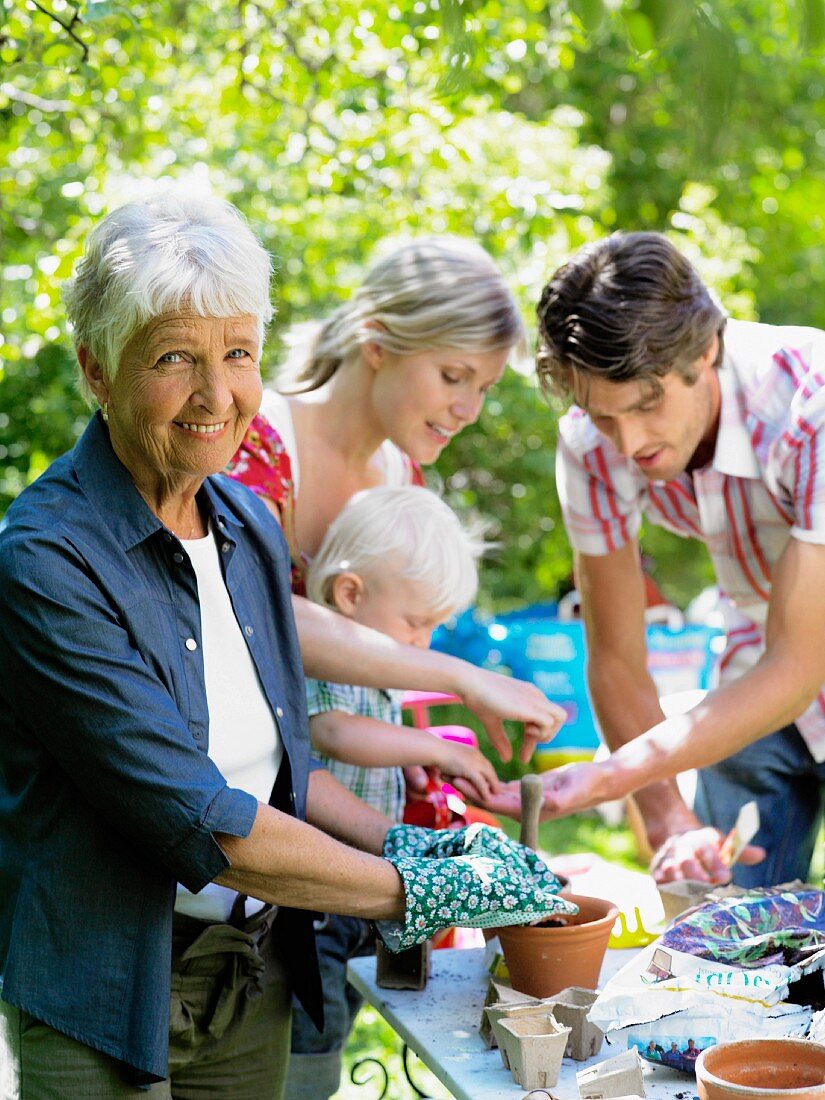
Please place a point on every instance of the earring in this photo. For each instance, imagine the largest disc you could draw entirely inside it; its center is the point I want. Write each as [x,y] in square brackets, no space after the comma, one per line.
[104,411]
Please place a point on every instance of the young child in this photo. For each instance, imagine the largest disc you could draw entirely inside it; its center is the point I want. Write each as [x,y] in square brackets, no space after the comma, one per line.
[397,560]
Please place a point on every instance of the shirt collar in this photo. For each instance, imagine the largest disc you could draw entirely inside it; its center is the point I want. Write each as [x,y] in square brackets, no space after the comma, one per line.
[219,507]
[734,454]
[109,486]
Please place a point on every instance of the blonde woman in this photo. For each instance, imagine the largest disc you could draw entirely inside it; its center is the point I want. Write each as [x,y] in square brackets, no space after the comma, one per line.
[377,391]
[381,386]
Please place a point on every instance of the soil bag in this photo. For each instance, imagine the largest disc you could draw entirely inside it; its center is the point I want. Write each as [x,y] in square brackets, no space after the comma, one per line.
[730,969]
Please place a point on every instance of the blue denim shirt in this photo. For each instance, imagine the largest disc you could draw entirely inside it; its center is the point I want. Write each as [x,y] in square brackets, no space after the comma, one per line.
[107,795]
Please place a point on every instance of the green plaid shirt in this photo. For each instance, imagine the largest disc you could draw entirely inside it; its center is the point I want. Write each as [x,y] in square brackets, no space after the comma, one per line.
[382,788]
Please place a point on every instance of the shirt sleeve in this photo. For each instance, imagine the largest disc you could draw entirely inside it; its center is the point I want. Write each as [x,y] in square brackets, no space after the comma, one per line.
[417,474]
[799,452]
[323,696]
[262,463]
[600,503]
[84,707]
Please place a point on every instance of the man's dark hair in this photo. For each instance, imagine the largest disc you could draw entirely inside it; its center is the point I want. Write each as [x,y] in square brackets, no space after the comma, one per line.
[628,308]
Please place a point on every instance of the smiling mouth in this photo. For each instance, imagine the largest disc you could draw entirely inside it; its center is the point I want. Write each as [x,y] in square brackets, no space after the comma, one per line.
[442,432]
[202,429]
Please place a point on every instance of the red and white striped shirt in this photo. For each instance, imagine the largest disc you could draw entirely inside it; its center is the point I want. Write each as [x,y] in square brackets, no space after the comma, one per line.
[766,484]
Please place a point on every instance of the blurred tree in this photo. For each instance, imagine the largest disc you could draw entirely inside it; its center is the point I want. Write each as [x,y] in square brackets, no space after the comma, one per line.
[332,126]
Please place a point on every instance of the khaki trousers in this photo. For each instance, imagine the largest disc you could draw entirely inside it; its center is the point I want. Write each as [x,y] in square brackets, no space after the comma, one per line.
[230,1026]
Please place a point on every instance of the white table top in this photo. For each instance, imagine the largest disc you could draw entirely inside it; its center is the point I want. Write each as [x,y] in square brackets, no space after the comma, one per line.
[440,1024]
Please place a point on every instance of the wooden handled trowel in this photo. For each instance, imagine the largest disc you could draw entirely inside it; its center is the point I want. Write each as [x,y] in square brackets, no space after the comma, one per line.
[532,795]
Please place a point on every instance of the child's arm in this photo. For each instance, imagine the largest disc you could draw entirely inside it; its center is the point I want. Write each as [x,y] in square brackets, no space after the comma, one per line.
[370,743]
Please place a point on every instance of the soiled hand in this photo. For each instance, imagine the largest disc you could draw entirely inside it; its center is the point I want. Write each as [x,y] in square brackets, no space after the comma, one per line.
[566,790]
[695,854]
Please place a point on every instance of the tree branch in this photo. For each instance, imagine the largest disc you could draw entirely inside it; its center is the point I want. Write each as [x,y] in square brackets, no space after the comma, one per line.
[67,27]
[36,101]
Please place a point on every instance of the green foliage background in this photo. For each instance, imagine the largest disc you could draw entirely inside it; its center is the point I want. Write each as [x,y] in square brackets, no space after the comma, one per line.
[533,126]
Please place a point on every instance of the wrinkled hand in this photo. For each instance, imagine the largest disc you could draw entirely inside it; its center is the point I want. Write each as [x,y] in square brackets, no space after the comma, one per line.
[494,697]
[474,840]
[696,855]
[567,790]
[472,891]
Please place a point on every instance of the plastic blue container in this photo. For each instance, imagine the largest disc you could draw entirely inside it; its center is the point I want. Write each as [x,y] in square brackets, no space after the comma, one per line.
[533,645]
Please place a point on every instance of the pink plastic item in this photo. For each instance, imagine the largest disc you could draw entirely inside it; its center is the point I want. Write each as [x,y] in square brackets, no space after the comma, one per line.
[419,702]
[463,734]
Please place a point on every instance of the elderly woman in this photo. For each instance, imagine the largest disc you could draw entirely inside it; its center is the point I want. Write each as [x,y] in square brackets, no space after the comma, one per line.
[160,782]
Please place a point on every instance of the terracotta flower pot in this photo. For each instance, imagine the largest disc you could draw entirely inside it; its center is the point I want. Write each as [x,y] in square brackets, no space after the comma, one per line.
[762,1069]
[544,959]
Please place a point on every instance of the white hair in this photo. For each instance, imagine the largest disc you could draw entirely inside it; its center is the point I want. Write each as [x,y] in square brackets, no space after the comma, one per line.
[155,256]
[405,532]
[435,292]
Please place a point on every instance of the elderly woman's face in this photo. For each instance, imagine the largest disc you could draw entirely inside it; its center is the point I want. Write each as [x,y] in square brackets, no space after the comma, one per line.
[184,394]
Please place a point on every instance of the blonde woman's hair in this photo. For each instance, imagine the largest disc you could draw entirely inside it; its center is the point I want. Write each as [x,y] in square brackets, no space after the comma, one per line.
[405,532]
[436,292]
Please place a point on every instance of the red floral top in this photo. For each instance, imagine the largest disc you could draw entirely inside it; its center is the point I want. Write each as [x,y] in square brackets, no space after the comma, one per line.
[263,464]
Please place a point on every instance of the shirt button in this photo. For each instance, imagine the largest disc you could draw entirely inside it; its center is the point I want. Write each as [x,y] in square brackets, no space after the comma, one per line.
[279,711]
[191,644]
[248,631]
[177,558]
[225,547]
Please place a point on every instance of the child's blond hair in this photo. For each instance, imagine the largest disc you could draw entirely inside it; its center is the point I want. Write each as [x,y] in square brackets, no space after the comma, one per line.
[407,531]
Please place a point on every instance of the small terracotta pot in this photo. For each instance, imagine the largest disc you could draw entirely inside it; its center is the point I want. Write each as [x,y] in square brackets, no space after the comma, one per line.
[762,1069]
[544,959]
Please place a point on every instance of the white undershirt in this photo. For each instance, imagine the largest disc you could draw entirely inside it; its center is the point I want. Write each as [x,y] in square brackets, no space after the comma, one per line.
[244,742]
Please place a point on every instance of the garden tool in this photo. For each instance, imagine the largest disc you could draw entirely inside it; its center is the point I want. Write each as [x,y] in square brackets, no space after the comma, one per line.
[532,795]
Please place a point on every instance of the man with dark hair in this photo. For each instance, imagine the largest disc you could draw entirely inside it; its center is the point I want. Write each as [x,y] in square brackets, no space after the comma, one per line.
[714,430]
[690,1053]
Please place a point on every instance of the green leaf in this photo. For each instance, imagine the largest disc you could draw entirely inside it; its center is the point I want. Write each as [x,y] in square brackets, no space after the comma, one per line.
[591,13]
[813,24]
[61,53]
[717,71]
[666,16]
[639,31]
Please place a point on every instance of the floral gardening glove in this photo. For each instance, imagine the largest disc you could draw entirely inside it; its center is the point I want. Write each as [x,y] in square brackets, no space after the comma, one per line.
[472,891]
[474,840]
